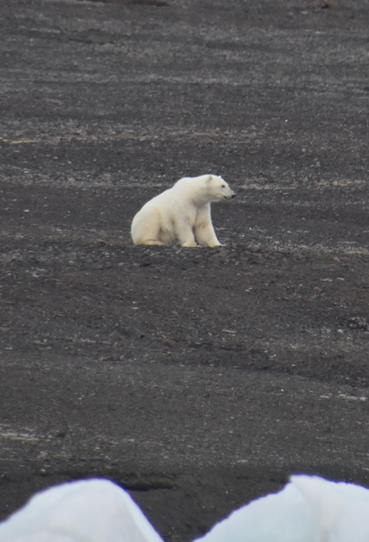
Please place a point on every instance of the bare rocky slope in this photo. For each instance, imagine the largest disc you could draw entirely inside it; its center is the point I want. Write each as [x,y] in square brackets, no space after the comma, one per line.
[196,378]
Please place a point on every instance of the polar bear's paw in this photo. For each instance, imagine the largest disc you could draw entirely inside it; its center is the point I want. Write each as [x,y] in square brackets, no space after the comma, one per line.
[189,244]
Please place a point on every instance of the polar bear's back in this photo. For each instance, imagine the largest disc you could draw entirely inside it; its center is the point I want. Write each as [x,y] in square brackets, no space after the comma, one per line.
[157,199]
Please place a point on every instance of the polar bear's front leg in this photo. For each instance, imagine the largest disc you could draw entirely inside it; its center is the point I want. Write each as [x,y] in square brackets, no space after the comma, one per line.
[204,231]
[185,234]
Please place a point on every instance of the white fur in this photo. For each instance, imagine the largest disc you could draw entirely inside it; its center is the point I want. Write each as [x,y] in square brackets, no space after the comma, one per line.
[94,510]
[181,214]
[340,510]
[308,509]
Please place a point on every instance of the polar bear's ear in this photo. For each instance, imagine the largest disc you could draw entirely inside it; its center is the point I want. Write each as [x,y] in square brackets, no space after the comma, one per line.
[208,180]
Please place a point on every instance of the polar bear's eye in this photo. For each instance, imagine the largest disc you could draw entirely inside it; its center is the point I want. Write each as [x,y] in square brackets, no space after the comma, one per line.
[223,185]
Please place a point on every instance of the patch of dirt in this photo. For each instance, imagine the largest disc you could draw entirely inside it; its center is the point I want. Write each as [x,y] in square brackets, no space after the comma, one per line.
[196,378]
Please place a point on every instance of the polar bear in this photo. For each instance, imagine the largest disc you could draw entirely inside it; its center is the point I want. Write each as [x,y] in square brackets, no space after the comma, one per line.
[181,214]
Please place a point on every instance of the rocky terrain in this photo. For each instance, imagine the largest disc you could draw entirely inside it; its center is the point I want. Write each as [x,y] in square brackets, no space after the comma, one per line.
[196,378]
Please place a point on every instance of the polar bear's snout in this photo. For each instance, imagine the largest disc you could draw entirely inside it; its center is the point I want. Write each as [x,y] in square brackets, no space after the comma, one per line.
[231,196]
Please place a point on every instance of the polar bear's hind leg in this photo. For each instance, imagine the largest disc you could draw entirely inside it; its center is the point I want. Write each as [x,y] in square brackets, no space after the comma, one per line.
[145,228]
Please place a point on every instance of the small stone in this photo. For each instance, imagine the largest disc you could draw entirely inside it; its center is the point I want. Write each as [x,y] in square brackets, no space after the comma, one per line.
[358,322]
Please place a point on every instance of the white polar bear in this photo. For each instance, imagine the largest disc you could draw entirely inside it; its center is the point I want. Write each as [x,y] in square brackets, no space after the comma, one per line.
[181,214]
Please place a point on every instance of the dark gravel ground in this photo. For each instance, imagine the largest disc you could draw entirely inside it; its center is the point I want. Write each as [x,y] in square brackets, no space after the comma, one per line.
[196,378]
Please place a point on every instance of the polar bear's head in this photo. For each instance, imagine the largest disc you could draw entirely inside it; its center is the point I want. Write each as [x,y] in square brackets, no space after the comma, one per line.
[203,189]
[217,188]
